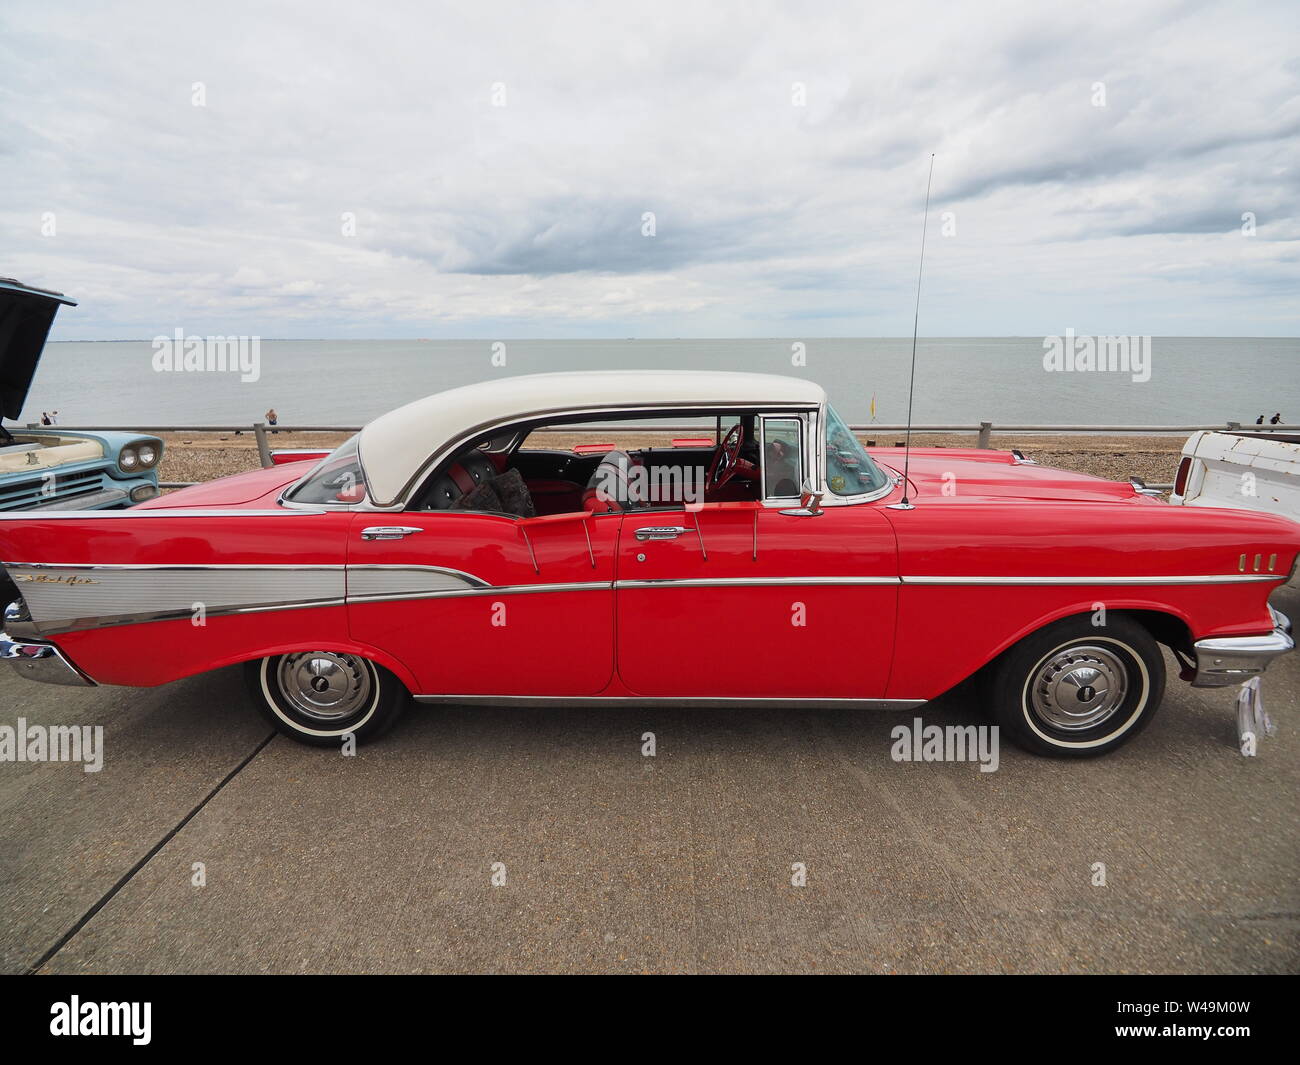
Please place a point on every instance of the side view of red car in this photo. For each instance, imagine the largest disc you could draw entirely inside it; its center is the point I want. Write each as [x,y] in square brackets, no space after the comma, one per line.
[449,552]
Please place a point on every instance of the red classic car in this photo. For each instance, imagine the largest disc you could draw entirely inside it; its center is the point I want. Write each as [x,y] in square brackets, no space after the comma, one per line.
[449,552]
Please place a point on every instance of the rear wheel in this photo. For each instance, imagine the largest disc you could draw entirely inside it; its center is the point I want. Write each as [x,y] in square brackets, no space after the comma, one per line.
[320,697]
[1074,690]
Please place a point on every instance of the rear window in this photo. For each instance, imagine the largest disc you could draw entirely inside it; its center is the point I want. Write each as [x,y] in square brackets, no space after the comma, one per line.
[337,479]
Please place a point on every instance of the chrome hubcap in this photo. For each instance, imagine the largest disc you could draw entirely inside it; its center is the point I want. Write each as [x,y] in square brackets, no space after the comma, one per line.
[324,685]
[1079,687]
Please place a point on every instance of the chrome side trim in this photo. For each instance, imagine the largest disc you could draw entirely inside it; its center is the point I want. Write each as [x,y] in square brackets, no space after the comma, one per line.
[174,566]
[154,512]
[70,597]
[42,662]
[106,621]
[746,582]
[692,703]
[1213,578]
[65,597]
[395,581]
[488,590]
[1222,661]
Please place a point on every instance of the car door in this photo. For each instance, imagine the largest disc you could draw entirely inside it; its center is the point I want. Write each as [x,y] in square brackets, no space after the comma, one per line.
[737,600]
[756,599]
[484,604]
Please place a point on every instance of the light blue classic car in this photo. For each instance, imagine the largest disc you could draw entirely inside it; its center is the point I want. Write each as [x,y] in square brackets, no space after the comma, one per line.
[50,468]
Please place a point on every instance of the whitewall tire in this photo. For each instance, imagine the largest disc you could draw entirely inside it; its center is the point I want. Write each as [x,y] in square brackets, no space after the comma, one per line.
[322,697]
[1074,690]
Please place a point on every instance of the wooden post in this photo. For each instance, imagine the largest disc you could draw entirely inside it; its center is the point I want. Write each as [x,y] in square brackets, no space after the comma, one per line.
[263,451]
[985,429]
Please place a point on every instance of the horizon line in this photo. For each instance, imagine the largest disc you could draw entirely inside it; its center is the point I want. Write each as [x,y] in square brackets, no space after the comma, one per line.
[684,339]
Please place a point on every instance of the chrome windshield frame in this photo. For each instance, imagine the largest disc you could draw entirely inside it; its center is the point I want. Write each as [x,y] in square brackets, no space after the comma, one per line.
[832,499]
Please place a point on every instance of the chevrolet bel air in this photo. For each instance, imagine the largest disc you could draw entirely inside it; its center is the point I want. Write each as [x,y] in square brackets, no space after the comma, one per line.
[661,538]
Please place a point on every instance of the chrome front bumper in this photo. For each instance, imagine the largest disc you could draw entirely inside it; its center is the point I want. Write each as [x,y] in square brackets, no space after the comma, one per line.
[1227,660]
[37,660]
[106,497]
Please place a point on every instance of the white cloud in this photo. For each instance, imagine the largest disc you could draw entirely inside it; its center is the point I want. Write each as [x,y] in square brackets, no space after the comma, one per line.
[472,219]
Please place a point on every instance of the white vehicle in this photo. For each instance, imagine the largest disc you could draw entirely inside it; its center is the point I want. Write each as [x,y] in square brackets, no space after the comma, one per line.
[1243,471]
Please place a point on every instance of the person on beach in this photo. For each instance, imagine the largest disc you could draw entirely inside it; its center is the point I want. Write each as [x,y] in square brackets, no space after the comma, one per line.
[54,417]
[272,418]
[1276,419]
[1259,420]
[45,418]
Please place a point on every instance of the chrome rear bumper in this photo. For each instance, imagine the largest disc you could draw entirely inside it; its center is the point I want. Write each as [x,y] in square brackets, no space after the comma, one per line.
[1226,660]
[38,660]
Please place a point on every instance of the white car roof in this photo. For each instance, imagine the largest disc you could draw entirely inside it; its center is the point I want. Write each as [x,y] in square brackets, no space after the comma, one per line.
[396,446]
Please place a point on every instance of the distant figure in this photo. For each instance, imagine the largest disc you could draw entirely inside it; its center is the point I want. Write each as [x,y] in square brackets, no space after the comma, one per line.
[1259,420]
[45,418]
[1275,420]
[54,417]
[272,418]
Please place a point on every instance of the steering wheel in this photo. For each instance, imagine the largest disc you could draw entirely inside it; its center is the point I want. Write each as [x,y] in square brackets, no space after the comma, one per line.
[726,461]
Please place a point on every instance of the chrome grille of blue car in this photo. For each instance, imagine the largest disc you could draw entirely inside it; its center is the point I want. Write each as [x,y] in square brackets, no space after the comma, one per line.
[32,492]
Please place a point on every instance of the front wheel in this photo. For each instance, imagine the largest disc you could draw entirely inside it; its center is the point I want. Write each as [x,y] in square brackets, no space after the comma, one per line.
[1074,690]
[321,697]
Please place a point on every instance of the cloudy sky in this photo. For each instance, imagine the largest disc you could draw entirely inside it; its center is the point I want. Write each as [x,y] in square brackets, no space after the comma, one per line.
[484,170]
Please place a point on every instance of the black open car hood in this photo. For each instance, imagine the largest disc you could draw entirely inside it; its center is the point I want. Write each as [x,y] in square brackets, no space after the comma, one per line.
[26,315]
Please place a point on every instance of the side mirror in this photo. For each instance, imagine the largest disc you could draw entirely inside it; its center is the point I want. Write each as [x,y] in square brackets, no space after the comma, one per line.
[810,503]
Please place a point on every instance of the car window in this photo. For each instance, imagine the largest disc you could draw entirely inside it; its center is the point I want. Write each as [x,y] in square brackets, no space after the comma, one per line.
[782,458]
[337,479]
[849,469]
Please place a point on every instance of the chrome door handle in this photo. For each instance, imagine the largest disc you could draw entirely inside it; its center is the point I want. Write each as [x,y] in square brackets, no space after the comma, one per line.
[389,532]
[660,532]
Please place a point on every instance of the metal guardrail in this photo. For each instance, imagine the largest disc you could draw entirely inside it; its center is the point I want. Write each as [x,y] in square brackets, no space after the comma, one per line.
[984,432]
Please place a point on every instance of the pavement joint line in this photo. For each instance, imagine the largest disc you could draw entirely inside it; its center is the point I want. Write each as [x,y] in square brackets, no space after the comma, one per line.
[126,877]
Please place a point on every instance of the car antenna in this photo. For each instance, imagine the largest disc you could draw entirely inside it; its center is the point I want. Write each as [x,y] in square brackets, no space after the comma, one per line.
[904,503]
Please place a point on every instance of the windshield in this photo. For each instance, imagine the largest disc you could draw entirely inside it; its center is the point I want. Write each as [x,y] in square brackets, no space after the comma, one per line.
[849,469]
[338,478]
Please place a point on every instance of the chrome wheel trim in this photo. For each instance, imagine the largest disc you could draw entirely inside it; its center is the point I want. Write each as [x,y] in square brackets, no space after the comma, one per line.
[325,686]
[1142,691]
[1079,687]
